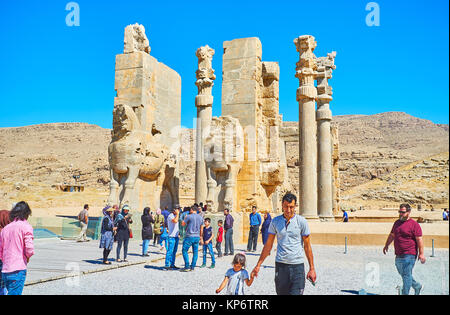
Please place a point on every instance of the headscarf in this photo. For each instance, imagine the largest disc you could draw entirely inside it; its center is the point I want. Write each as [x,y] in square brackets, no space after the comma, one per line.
[108,216]
[4,219]
[105,211]
[121,216]
[267,222]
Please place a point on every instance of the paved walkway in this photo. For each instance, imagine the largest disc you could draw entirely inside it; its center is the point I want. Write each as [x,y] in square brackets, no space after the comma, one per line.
[338,273]
[56,259]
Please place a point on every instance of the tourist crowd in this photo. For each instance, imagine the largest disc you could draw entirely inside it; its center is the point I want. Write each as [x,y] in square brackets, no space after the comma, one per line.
[195,229]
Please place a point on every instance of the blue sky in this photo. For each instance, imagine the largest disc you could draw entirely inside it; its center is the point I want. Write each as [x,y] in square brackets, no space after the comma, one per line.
[55,73]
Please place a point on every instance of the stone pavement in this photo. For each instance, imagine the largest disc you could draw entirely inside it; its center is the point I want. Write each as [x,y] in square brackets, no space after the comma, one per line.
[57,259]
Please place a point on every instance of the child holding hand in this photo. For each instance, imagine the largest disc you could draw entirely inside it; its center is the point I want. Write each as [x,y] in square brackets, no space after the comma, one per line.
[235,277]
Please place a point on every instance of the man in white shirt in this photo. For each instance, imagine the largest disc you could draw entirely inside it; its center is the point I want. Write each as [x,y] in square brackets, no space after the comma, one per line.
[173,239]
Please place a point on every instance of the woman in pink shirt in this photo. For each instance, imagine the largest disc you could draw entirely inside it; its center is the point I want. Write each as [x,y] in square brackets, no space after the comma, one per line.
[16,248]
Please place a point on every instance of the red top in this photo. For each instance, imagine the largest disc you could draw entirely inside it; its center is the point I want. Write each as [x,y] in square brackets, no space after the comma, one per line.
[4,218]
[220,235]
[405,233]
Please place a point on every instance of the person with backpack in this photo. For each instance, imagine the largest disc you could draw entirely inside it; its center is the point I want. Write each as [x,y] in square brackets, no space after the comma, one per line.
[165,214]
[157,227]
[83,218]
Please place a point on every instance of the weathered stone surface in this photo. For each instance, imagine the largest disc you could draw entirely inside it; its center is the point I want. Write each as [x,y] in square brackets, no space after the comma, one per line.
[325,66]
[224,155]
[146,109]
[135,39]
[336,176]
[243,48]
[250,94]
[203,102]
[153,90]
[306,94]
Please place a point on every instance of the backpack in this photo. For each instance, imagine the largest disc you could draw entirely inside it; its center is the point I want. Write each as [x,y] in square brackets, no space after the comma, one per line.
[158,220]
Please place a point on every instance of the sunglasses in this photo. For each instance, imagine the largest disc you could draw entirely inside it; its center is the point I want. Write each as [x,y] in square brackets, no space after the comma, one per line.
[402,212]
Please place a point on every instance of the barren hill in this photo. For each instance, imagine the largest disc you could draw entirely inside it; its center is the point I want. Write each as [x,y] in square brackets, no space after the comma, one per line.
[375,145]
[34,158]
[423,182]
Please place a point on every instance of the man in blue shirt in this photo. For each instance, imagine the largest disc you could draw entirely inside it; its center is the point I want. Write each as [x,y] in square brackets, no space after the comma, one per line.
[255,222]
[293,245]
[445,214]
[345,216]
[166,214]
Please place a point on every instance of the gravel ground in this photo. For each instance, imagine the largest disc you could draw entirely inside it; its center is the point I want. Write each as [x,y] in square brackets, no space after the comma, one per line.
[338,274]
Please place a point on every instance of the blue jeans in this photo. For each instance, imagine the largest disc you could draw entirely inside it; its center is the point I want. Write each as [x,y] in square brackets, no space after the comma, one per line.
[166,243]
[145,244]
[211,252]
[191,241]
[2,284]
[15,281]
[171,251]
[405,265]
[265,236]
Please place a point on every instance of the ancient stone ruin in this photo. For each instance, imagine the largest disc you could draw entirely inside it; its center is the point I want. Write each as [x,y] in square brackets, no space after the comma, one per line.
[247,165]
[240,156]
[146,108]
[316,145]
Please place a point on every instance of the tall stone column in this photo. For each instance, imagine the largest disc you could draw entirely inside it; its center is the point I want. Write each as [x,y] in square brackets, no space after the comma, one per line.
[306,96]
[203,102]
[325,66]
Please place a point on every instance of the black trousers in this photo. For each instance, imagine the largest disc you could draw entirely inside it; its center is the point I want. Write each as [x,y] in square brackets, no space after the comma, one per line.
[289,279]
[253,238]
[156,238]
[106,254]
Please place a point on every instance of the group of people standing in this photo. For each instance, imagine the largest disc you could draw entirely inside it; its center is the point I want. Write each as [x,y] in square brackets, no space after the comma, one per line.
[196,230]
[115,228]
[167,227]
[289,229]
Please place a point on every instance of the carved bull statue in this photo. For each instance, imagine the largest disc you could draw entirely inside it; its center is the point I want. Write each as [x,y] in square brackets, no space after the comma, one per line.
[133,153]
[224,153]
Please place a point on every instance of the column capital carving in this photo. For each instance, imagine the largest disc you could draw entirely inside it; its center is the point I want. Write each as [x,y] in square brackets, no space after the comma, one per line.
[306,66]
[325,67]
[205,75]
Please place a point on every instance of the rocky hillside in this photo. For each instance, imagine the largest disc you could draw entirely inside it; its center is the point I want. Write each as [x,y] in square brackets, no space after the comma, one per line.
[53,153]
[34,158]
[424,182]
[375,145]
